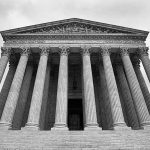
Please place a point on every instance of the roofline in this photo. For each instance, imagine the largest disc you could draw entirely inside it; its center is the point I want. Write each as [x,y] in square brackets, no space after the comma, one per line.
[73,20]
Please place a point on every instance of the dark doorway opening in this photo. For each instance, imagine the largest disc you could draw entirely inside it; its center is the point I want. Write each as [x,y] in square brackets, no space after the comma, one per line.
[75,114]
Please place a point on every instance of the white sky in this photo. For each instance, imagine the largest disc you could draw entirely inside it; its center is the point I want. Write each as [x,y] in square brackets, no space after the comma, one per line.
[128,13]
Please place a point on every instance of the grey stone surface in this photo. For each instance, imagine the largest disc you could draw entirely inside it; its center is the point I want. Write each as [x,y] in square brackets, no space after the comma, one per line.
[140,105]
[12,99]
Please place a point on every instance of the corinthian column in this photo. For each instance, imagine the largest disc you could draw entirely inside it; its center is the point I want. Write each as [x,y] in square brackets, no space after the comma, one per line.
[142,83]
[12,99]
[141,108]
[62,92]
[6,85]
[4,60]
[36,101]
[117,114]
[127,98]
[145,60]
[89,97]
[20,108]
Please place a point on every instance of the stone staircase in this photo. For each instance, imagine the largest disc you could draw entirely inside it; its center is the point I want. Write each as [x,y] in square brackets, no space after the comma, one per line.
[47,140]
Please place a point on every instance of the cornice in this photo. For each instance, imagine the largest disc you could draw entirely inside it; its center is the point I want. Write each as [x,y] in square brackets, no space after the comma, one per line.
[73,37]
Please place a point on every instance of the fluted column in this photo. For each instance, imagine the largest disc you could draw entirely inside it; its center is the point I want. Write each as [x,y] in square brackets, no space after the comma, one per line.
[62,92]
[105,96]
[6,86]
[145,60]
[36,101]
[140,105]
[4,60]
[20,108]
[127,98]
[89,97]
[117,114]
[12,99]
[142,83]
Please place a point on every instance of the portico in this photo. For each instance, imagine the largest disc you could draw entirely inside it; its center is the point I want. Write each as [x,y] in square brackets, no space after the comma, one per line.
[80,78]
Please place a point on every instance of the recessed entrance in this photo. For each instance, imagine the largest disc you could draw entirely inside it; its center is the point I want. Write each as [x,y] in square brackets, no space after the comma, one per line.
[75,114]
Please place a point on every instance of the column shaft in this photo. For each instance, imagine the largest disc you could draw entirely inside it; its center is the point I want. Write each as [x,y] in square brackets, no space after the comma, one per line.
[62,92]
[89,97]
[117,114]
[127,98]
[11,102]
[141,108]
[45,98]
[145,60]
[18,116]
[105,96]
[143,85]
[3,61]
[6,87]
[36,101]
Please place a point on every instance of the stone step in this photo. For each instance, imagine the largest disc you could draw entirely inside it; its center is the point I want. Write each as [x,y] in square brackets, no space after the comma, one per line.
[74,140]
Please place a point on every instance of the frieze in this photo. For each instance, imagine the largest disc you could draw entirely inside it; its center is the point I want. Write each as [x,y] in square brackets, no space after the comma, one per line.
[74,28]
[74,41]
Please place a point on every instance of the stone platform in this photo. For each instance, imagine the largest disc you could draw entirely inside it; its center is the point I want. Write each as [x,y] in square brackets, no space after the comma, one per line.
[46,140]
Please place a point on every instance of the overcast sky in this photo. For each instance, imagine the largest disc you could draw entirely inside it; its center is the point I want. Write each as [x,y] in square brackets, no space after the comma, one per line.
[128,13]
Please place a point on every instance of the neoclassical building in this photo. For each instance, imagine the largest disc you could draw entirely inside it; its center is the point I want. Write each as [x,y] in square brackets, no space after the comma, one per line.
[74,84]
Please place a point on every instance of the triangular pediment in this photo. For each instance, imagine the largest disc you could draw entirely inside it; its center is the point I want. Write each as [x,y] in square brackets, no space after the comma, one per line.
[74,26]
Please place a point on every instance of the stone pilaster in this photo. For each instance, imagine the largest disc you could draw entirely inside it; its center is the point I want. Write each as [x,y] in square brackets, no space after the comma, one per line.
[36,101]
[105,96]
[117,114]
[140,105]
[4,60]
[145,60]
[18,115]
[127,97]
[62,92]
[12,99]
[89,97]
[6,86]
[142,83]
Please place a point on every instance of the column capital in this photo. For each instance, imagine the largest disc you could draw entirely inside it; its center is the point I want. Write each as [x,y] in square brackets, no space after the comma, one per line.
[64,50]
[85,50]
[124,51]
[25,51]
[105,51]
[44,50]
[136,61]
[143,51]
[6,51]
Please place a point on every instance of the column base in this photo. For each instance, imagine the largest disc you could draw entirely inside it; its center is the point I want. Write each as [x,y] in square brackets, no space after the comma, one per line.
[31,126]
[91,127]
[5,126]
[146,127]
[120,127]
[59,127]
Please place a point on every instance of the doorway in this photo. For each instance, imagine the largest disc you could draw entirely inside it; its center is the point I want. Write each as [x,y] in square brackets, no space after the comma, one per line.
[75,114]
